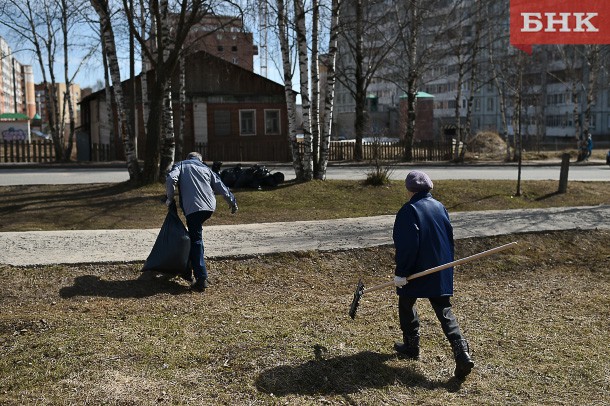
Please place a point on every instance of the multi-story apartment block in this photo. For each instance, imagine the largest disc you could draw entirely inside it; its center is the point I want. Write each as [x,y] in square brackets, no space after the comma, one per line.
[60,90]
[16,84]
[554,82]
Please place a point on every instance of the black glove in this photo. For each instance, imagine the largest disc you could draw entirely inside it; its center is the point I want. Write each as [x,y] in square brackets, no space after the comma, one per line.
[234,208]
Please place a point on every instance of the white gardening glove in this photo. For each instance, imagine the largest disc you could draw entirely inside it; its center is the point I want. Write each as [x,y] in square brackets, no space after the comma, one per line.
[400,281]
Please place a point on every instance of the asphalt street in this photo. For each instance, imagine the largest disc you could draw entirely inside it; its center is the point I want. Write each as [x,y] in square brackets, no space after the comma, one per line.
[591,172]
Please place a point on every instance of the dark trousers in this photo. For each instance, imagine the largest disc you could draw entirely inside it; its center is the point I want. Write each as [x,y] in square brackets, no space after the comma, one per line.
[194,223]
[409,319]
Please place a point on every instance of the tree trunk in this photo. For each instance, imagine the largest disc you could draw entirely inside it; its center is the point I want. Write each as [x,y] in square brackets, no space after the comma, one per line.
[109,92]
[68,97]
[101,7]
[315,88]
[329,92]
[179,155]
[168,144]
[290,98]
[360,93]
[299,16]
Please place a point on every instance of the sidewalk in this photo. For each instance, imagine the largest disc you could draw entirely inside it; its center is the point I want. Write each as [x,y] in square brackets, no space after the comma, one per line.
[106,246]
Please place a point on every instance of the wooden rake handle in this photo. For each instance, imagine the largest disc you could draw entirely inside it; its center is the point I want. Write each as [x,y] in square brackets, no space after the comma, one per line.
[445,266]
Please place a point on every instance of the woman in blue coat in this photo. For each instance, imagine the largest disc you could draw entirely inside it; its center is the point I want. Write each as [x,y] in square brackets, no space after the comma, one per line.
[423,239]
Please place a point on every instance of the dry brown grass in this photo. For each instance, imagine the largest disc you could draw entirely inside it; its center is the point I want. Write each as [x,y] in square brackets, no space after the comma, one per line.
[118,206]
[275,330]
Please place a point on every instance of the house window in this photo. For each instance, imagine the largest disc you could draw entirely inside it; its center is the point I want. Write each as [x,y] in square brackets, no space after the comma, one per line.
[247,122]
[222,123]
[490,104]
[272,121]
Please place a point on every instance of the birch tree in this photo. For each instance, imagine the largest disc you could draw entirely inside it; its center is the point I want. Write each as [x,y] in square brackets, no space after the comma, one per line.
[317,111]
[283,37]
[133,167]
[329,61]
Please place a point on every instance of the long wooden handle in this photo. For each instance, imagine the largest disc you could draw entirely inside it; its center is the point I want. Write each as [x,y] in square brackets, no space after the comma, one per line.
[445,266]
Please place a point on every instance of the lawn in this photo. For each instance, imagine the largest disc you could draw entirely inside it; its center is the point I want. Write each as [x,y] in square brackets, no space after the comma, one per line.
[275,330]
[119,206]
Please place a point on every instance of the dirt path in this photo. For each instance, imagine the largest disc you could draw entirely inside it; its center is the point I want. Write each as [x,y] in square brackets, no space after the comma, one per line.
[99,246]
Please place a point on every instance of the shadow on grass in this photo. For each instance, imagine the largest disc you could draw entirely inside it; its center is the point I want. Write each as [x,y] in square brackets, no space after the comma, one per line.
[548,196]
[91,285]
[344,376]
[466,203]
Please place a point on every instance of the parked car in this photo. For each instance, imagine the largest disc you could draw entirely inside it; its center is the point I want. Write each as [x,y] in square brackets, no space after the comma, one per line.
[38,135]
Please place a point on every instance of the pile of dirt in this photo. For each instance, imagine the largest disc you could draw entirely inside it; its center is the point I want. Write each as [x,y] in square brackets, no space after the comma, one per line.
[488,144]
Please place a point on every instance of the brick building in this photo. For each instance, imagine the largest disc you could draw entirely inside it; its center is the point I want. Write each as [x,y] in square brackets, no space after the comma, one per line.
[231,113]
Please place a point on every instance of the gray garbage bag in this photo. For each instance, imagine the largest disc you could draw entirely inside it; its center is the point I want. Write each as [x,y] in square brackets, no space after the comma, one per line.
[170,254]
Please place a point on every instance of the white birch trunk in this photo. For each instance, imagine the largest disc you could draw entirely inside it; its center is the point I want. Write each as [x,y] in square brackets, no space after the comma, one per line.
[168,140]
[290,98]
[315,88]
[109,99]
[101,7]
[329,92]
[299,20]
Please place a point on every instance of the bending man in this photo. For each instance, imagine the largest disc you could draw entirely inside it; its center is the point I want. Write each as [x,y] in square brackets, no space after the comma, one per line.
[197,184]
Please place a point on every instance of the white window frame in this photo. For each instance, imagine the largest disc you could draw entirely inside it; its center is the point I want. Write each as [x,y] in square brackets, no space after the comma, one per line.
[241,126]
[279,122]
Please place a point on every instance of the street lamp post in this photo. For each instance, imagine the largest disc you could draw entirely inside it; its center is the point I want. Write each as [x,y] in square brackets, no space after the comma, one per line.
[520,147]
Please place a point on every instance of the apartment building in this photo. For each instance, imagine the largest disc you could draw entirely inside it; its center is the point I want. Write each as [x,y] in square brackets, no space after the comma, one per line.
[61,89]
[555,81]
[16,84]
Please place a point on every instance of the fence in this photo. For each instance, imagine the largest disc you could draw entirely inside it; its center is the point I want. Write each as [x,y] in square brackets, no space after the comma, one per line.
[388,151]
[23,151]
[270,151]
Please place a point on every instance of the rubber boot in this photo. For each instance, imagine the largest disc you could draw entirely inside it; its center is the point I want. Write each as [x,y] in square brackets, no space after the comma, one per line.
[410,347]
[463,362]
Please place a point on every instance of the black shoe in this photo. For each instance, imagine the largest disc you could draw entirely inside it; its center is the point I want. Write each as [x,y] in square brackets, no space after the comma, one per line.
[463,362]
[200,285]
[410,348]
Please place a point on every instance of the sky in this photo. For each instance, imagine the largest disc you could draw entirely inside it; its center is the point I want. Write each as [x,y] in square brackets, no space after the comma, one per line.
[92,72]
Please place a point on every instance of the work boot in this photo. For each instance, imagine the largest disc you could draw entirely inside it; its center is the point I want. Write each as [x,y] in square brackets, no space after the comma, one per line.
[200,285]
[410,347]
[463,362]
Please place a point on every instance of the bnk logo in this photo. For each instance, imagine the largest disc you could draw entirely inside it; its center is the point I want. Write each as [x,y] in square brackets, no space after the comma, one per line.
[559,22]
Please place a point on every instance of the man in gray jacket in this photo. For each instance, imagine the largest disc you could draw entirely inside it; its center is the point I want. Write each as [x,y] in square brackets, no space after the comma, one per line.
[197,185]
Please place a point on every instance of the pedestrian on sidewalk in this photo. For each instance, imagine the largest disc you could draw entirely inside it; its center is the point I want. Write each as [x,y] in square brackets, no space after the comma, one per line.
[423,239]
[197,184]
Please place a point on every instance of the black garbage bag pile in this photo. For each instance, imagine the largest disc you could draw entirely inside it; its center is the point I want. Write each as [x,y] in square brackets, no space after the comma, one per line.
[170,253]
[255,177]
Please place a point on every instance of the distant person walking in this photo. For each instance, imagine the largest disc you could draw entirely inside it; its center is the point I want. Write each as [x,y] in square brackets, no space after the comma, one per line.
[589,147]
[423,239]
[197,185]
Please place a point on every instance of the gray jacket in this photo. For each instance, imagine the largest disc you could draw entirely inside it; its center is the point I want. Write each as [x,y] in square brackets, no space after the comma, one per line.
[197,185]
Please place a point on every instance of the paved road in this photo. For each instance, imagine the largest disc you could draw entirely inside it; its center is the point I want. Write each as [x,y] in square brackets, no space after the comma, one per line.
[104,246]
[577,172]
